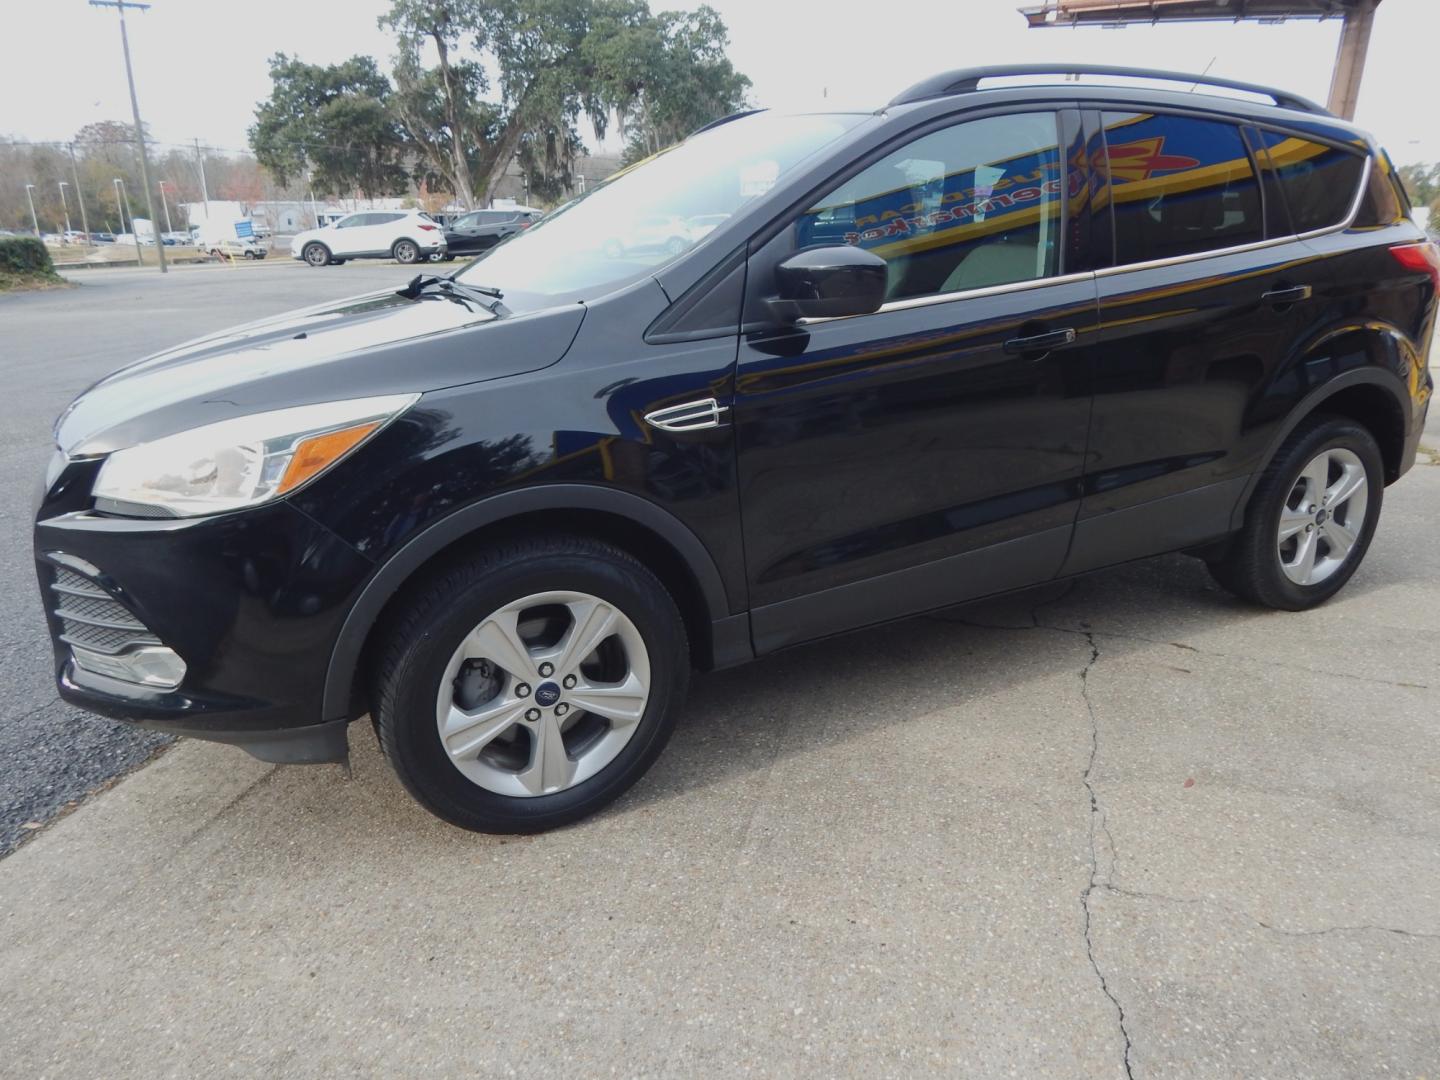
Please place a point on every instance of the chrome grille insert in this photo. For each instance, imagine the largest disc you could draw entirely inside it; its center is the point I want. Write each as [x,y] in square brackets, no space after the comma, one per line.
[92,618]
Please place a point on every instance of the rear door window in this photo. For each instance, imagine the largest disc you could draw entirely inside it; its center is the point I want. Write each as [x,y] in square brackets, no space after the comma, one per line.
[1319,182]
[1179,185]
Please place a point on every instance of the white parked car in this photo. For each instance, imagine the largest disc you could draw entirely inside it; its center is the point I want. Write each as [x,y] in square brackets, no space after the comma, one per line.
[235,247]
[406,236]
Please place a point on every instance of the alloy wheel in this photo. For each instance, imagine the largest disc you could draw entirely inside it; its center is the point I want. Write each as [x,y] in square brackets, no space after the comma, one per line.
[1323,516]
[543,694]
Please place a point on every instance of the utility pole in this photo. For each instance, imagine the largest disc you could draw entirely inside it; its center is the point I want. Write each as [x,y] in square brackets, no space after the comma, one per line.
[204,191]
[120,6]
[79,193]
[33,219]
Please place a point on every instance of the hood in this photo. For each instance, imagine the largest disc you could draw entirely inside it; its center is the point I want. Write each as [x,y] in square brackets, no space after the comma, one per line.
[379,343]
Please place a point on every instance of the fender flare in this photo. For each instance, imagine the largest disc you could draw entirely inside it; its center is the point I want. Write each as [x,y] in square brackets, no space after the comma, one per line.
[1308,405]
[419,549]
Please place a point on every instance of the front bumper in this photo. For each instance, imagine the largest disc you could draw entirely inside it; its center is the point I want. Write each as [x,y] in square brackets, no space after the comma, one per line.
[252,602]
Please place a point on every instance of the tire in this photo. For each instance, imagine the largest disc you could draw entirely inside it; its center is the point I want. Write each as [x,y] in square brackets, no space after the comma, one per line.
[315,253]
[1331,540]
[406,251]
[447,651]
[251,256]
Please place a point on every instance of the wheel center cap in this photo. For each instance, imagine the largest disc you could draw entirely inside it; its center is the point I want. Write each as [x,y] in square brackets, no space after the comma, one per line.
[547,694]
[1321,516]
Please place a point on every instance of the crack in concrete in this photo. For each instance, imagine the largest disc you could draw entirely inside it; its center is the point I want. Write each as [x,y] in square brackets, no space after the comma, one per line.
[1200,901]
[1090,633]
[1098,879]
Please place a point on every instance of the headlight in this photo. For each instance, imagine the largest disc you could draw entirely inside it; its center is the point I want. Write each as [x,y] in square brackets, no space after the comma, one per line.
[240,462]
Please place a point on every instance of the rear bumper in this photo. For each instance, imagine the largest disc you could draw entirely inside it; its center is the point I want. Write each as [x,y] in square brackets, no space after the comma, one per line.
[252,602]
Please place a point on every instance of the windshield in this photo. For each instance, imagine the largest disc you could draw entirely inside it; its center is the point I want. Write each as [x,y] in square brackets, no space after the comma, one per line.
[646,216]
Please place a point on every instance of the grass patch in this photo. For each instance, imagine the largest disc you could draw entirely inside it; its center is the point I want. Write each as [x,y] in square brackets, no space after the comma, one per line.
[12,282]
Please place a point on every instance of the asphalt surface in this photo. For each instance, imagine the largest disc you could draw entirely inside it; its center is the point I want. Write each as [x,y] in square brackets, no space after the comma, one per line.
[54,344]
[1128,827]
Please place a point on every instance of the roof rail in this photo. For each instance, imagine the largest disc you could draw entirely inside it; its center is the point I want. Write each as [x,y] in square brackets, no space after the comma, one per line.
[724,120]
[966,80]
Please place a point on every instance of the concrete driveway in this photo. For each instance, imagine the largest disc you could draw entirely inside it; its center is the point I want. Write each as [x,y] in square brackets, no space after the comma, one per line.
[1125,827]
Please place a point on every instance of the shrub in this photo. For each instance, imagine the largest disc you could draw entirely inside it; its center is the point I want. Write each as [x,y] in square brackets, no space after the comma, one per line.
[25,255]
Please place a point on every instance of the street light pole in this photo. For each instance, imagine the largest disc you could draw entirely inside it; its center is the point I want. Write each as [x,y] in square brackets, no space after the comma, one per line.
[63,185]
[204,191]
[29,188]
[119,206]
[120,6]
[161,185]
[79,193]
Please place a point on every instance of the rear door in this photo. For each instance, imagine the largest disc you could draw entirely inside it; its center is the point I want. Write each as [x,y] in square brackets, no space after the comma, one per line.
[1207,296]
[383,230]
[930,452]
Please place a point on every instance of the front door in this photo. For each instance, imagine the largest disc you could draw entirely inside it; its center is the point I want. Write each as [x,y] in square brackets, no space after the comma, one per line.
[930,452]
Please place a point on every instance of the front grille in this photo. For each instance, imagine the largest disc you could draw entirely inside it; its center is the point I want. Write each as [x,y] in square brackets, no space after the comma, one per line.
[93,619]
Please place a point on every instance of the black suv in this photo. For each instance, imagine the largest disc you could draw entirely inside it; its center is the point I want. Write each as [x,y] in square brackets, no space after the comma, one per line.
[982,338]
[480,230]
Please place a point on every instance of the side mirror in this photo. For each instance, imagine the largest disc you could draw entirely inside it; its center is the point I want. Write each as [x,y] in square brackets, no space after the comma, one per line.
[829,283]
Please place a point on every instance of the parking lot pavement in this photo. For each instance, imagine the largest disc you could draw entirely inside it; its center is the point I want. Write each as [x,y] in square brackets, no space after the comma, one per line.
[1125,826]
[54,344]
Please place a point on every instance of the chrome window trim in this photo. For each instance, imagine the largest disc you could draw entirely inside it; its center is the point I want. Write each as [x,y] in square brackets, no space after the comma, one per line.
[952,297]
[1111,271]
[1257,245]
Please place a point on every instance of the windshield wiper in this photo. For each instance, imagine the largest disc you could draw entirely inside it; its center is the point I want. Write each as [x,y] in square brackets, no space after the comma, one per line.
[459,291]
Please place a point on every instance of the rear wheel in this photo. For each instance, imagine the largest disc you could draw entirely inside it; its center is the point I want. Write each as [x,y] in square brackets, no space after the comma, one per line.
[531,685]
[1311,519]
[406,251]
[316,254]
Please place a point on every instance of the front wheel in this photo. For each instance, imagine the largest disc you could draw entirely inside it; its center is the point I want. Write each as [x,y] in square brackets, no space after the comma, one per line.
[1311,519]
[406,251]
[316,254]
[530,685]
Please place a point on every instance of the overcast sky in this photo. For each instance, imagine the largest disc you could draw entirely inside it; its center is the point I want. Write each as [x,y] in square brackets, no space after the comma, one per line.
[200,64]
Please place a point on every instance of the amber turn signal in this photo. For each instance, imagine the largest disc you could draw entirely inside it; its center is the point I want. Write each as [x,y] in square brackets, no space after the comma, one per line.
[316,453]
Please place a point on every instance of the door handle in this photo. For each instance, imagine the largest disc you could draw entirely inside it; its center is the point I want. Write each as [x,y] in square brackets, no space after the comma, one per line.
[1289,295]
[1040,343]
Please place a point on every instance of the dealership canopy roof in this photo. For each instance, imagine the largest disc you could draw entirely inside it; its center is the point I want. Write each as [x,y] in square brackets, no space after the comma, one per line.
[1119,12]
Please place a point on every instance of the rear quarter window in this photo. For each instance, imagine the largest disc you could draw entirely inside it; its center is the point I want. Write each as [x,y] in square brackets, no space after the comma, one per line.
[1383,203]
[1318,182]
